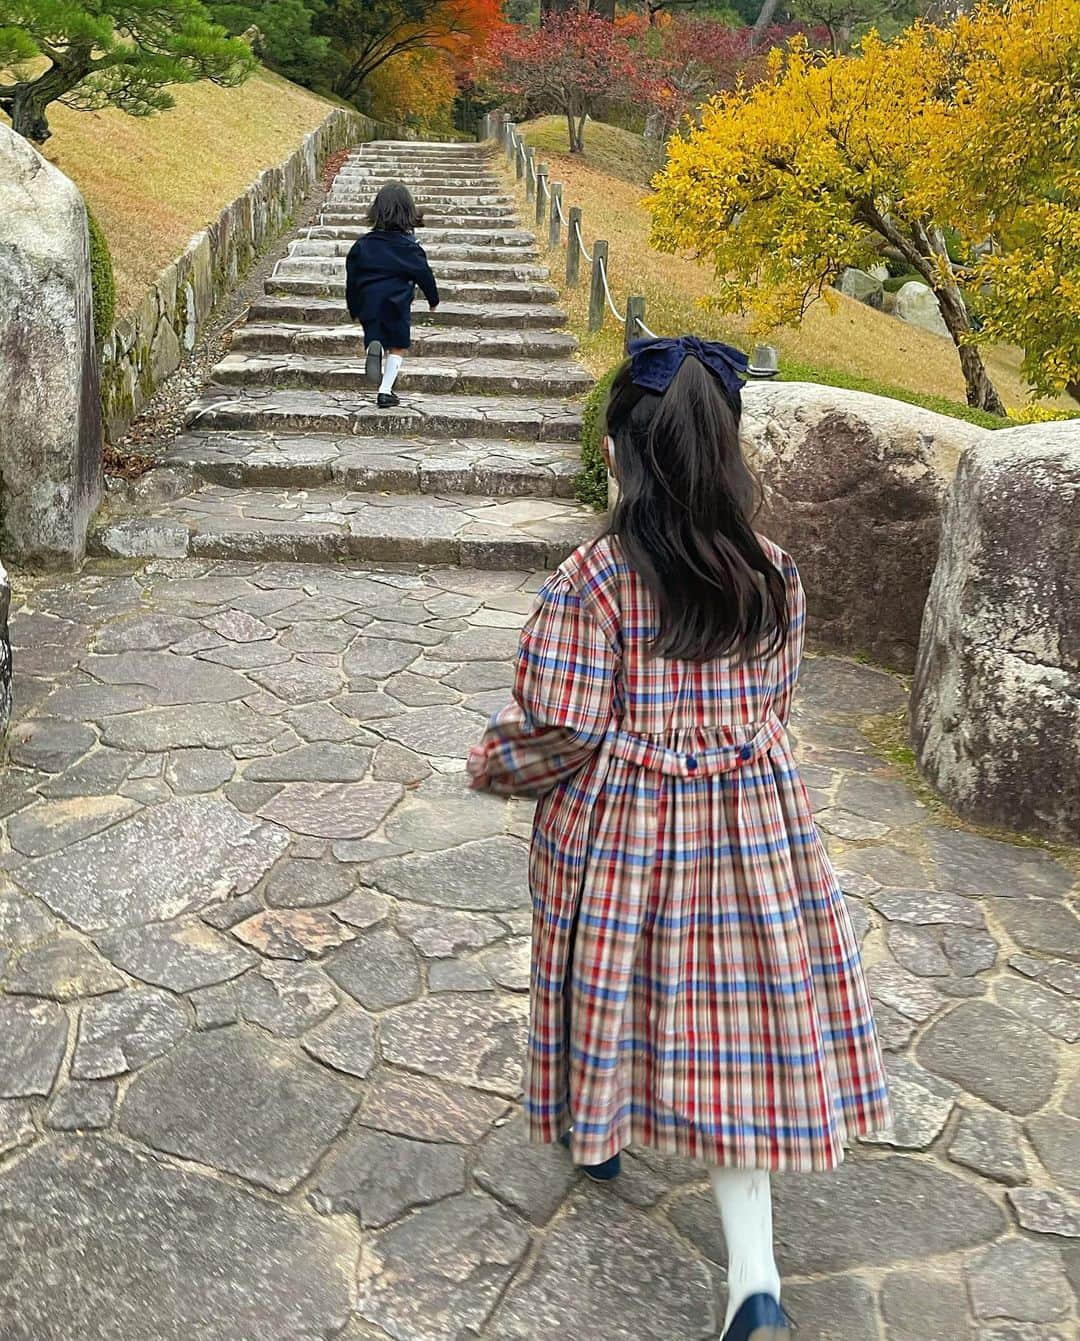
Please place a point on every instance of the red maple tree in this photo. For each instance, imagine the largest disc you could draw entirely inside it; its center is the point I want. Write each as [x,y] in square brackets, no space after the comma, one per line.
[564,66]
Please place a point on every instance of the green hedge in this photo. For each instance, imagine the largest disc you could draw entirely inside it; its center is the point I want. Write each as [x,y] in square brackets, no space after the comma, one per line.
[592,484]
[102,281]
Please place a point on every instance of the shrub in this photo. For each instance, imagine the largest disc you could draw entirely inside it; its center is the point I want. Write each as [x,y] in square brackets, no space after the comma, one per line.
[592,484]
[102,282]
[1035,413]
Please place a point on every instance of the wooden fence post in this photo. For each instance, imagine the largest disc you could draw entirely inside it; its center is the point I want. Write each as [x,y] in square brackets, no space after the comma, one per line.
[541,195]
[530,173]
[555,223]
[573,245]
[519,158]
[596,291]
[635,312]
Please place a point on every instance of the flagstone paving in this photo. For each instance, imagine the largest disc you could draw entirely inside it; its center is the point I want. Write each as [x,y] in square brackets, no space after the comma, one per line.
[263,985]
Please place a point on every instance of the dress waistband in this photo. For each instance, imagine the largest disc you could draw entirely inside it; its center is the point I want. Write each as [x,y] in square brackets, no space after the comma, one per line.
[658,758]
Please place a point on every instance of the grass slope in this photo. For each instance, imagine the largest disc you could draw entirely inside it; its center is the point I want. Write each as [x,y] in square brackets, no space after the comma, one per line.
[848,345]
[154,181]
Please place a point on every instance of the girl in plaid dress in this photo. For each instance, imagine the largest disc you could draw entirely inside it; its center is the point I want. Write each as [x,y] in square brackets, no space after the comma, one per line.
[696,986]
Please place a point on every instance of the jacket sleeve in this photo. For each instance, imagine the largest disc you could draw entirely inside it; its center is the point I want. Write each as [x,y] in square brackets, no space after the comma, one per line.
[563,700]
[420,273]
[352,280]
[789,660]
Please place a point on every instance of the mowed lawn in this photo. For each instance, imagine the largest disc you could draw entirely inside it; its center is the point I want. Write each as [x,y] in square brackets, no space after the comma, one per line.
[847,344]
[154,181]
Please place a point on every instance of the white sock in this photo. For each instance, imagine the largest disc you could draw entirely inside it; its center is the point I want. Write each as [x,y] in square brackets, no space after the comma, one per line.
[391,367]
[744,1199]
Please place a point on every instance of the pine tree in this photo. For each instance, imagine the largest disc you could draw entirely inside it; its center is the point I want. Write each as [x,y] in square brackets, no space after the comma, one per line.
[108,53]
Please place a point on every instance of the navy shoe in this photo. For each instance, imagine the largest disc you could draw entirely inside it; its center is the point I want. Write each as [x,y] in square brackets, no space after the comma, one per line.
[386,400]
[373,363]
[759,1318]
[599,1173]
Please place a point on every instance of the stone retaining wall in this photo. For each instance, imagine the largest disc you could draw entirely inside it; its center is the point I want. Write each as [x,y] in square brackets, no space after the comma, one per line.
[144,349]
[5,653]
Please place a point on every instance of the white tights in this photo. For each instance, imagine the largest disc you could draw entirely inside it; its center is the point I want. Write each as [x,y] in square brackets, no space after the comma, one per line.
[391,367]
[744,1199]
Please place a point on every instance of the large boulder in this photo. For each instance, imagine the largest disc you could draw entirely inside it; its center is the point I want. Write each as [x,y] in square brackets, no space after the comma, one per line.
[854,487]
[863,287]
[50,422]
[996,702]
[5,653]
[915,303]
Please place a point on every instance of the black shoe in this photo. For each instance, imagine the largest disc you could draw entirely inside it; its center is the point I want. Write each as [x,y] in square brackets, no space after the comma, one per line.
[606,1172]
[373,363]
[760,1318]
[386,400]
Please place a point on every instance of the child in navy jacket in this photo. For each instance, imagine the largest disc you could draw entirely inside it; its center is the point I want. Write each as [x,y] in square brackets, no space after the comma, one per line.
[382,272]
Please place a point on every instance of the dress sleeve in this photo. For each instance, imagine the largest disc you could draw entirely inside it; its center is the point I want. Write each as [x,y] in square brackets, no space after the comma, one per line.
[789,659]
[563,700]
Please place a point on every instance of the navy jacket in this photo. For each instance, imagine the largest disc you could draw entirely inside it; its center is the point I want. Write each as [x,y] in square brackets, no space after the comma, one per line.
[382,272]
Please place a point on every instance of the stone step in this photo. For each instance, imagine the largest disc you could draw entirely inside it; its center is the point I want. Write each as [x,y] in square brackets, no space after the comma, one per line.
[510,238]
[443,215]
[436,181]
[416,148]
[444,162]
[328,525]
[332,312]
[487,205]
[427,342]
[496,467]
[436,251]
[463,376]
[453,290]
[333,268]
[530,419]
[436,220]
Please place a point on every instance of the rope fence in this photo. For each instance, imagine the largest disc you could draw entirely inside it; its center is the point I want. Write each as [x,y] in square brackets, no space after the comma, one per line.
[547,198]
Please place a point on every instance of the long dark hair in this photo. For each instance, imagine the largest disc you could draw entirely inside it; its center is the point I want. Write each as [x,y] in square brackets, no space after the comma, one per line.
[683,519]
[394,211]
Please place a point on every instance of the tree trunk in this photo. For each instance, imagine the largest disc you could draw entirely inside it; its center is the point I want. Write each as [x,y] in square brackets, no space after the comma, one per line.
[980,390]
[1073,389]
[579,138]
[556,7]
[763,22]
[571,139]
[605,9]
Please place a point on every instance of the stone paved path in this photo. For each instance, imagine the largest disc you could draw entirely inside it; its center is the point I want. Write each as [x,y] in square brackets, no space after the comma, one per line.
[263,960]
[263,964]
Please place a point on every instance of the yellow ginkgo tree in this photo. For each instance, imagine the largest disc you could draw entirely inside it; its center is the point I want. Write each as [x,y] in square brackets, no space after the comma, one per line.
[969,129]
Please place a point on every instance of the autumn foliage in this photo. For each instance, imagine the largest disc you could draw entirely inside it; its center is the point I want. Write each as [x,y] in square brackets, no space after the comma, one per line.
[971,128]
[564,66]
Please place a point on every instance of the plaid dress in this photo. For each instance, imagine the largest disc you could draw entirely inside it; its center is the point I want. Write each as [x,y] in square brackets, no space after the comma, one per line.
[696,986]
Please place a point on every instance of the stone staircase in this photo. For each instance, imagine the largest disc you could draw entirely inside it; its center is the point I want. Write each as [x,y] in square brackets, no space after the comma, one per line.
[286,456]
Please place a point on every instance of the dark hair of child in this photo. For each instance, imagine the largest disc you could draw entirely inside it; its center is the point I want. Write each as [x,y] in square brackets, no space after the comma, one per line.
[394,211]
[683,520]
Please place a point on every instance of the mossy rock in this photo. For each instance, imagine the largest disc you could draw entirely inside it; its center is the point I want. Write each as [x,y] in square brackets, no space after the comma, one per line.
[102,281]
[592,483]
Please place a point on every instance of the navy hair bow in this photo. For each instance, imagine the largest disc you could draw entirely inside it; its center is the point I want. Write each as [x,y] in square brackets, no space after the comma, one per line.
[653,363]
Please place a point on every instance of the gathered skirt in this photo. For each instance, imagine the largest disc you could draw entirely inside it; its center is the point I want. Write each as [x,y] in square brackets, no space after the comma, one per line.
[696,984]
